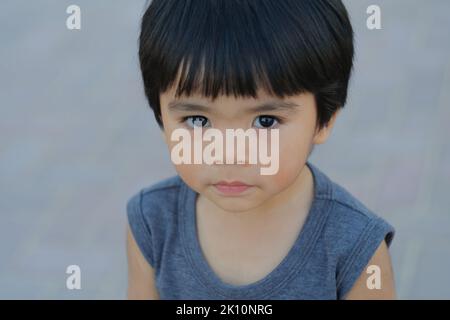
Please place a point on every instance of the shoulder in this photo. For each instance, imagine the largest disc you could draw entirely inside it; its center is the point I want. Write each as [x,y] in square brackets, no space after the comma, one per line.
[151,213]
[347,217]
[352,219]
[351,234]
[160,195]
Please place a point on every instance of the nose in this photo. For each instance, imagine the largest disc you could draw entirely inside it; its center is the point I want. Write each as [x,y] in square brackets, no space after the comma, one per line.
[240,146]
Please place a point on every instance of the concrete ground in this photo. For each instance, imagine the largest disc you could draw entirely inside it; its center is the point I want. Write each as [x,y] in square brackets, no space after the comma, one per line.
[77,139]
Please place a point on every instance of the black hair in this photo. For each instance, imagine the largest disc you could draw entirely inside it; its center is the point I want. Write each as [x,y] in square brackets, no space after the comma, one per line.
[235,47]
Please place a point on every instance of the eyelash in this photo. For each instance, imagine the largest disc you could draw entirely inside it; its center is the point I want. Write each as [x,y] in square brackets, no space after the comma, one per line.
[184,119]
[278,119]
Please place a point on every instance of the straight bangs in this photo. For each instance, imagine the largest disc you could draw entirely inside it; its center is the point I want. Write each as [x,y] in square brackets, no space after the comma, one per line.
[237,47]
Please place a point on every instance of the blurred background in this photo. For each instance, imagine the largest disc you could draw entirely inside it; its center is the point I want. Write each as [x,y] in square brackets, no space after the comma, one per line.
[77,139]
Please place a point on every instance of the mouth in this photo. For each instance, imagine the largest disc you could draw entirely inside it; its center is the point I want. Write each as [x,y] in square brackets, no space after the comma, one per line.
[231,188]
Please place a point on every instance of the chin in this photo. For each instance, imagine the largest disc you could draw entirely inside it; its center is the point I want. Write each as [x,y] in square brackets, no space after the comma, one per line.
[235,204]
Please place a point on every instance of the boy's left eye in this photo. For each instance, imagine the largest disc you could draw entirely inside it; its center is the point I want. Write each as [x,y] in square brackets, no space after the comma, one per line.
[265,121]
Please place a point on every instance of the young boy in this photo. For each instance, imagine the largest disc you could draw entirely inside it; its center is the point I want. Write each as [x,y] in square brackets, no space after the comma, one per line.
[224,230]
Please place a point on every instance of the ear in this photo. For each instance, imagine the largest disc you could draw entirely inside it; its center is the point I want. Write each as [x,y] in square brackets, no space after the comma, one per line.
[322,134]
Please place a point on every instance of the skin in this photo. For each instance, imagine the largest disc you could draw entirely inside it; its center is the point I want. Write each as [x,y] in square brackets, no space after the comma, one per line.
[274,202]
[141,276]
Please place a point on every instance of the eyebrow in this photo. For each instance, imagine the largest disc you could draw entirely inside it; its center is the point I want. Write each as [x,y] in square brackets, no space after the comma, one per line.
[274,106]
[267,106]
[186,106]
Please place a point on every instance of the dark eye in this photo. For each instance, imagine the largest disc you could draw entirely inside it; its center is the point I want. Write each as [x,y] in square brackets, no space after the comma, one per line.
[265,122]
[196,121]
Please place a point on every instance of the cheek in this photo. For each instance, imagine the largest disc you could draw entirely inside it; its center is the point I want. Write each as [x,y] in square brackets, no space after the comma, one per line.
[294,148]
[293,151]
[286,174]
[193,175]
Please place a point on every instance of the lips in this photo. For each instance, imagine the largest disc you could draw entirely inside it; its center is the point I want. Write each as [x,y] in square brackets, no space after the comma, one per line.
[231,188]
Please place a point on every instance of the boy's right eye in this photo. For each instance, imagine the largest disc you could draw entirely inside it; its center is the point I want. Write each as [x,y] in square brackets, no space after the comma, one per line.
[196,121]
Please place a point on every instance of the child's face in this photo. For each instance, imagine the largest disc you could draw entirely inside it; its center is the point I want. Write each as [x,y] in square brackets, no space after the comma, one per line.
[297,135]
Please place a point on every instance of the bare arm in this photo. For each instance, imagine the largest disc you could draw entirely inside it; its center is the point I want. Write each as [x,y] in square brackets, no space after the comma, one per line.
[141,276]
[360,290]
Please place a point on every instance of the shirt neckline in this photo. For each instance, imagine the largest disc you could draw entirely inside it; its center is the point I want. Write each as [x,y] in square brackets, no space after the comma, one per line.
[292,263]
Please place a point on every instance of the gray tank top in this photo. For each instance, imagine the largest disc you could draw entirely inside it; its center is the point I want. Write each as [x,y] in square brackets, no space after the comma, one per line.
[336,242]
